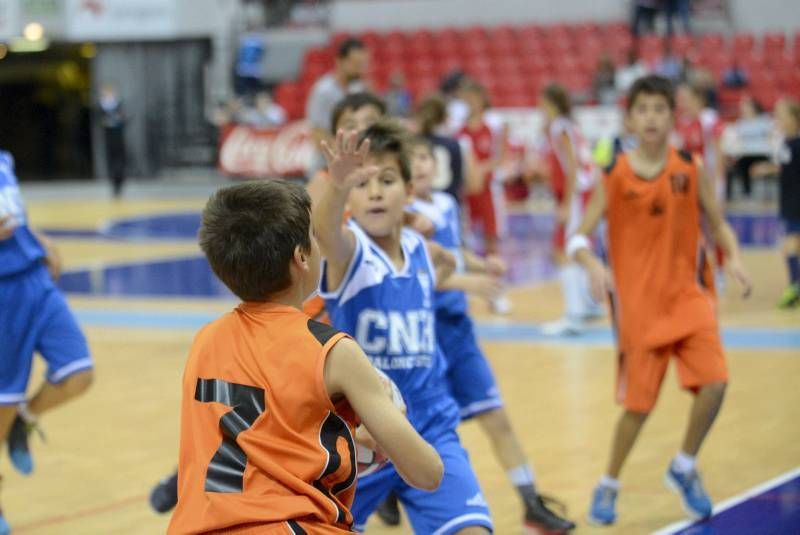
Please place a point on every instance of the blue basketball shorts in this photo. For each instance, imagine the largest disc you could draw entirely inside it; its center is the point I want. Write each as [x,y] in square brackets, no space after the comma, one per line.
[469,375]
[34,317]
[791,226]
[458,502]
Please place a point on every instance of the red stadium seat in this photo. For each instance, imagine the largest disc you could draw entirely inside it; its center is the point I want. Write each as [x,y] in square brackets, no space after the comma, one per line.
[743,42]
[774,42]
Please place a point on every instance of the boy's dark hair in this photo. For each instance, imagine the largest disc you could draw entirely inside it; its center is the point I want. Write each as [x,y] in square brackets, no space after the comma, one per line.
[431,112]
[559,97]
[652,85]
[354,102]
[389,136]
[249,233]
[348,45]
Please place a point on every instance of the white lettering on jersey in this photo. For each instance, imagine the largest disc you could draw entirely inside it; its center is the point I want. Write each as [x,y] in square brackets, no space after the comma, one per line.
[397,333]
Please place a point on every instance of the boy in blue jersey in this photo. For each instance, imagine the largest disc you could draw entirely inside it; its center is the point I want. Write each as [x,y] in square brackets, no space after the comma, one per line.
[378,282]
[33,317]
[469,376]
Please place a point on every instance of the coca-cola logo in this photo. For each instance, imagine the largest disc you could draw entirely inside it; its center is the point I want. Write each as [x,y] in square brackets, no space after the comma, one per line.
[266,153]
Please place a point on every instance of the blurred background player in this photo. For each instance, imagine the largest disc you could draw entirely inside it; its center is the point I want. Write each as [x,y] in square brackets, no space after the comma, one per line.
[271,397]
[654,197]
[699,130]
[787,165]
[572,176]
[113,119]
[34,317]
[378,281]
[469,375]
[352,60]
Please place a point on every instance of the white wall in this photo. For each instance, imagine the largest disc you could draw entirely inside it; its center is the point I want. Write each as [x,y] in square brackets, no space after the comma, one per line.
[766,15]
[385,14]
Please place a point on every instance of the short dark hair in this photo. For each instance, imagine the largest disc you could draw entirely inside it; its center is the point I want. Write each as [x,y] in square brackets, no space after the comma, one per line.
[354,102]
[652,85]
[431,112]
[249,234]
[348,45]
[559,97]
[389,136]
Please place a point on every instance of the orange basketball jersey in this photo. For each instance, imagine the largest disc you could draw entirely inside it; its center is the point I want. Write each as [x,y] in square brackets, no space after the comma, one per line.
[263,449]
[654,244]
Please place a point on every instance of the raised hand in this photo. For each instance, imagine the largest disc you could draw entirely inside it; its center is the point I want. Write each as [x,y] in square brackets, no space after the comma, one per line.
[346,160]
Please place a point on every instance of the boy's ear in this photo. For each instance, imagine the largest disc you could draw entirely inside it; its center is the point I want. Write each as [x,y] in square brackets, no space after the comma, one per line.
[300,258]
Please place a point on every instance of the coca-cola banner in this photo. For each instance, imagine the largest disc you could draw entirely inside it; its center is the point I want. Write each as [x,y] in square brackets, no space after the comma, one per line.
[266,153]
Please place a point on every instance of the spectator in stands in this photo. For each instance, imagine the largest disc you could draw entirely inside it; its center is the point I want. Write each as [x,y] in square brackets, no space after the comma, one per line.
[398,98]
[753,143]
[681,8]
[265,114]
[644,16]
[735,76]
[347,77]
[603,85]
[249,64]
[113,119]
[670,66]
[632,71]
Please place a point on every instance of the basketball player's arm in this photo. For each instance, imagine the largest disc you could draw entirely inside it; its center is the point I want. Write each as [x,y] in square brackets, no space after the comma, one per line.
[52,258]
[6,228]
[579,246]
[444,262]
[473,171]
[349,373]
[721,231]
[346,168]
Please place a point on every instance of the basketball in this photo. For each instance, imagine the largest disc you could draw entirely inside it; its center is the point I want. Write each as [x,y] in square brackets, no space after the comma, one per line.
[370,461]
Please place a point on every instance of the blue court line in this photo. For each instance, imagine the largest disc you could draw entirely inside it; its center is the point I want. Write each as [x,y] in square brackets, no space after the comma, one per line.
[772,508]
[734,338]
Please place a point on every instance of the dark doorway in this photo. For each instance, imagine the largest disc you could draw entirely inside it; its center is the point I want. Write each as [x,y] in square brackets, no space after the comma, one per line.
[45,112]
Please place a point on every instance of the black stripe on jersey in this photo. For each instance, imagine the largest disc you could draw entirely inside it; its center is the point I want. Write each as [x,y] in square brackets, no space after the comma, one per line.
[295,527]
[685,155]
[321,331]
[332,429]
[610,167]
[226,470]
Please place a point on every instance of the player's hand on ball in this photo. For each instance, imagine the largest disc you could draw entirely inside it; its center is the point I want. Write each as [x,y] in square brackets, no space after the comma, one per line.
[742,277]
[7,228]
[346,160]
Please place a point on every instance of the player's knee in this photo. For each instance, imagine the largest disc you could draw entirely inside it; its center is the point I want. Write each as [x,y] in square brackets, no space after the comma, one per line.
[79,383]
[495,422]
[638,416]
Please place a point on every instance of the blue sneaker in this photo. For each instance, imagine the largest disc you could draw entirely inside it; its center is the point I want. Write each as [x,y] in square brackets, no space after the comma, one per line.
[18,448]
[604,506]
[5,529]
[688,486]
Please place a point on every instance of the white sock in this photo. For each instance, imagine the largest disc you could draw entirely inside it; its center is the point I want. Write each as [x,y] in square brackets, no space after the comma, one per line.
[570,276]
[521,475]
[25,413]
[683,462]
[609,482]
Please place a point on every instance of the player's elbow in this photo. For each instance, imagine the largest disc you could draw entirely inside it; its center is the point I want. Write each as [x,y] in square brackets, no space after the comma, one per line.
[431,472]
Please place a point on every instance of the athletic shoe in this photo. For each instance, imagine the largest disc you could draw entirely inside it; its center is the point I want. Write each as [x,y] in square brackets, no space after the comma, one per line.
[164,496]
[562,327]
[790,297]
[693,496]
[18,447]
[389,510]
[539,518]
[604,506]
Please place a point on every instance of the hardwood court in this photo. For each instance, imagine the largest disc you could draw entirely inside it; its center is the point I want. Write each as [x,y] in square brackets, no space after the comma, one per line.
[105,451]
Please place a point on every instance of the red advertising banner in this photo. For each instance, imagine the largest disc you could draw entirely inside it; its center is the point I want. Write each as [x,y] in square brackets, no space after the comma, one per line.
[266,153]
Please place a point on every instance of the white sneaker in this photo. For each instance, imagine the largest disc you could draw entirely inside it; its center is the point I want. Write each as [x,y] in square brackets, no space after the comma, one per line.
[562,327]
[502,305]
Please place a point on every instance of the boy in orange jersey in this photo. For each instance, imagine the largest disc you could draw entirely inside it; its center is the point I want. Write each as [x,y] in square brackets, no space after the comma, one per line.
[653,198]
[270,397]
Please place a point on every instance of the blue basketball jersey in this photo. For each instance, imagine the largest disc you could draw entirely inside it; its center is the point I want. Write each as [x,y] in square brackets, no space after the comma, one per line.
[22,250]
[443,211]
[389,312]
